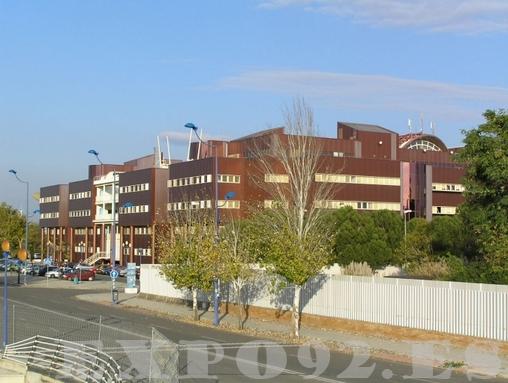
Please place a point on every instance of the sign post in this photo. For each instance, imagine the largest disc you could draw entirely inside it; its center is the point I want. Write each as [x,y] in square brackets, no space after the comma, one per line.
[114,291]
[131,279]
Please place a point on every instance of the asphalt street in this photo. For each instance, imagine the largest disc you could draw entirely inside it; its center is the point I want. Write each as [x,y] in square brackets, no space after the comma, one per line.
[240,359]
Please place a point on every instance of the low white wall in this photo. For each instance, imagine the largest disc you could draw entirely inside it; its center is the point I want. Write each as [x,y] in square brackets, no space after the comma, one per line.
[458,308]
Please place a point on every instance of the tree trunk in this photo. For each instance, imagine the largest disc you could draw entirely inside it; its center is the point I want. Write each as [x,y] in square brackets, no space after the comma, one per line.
[239,306]
[195,304]
[296,312]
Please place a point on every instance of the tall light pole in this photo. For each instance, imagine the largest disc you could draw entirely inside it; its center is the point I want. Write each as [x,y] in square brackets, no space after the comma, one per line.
[406,212]
[15,173]
[5,250]
[212,148]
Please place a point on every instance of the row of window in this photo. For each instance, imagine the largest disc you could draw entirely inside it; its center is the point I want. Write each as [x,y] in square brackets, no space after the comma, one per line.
[53,198]
[140,251]
[50,215]
[186,181]
[228,179]
[135,188]
[203,204]
[359,205]
[203,179]
[357,179]
[81,195]
[186,205]
[54,231]
[138,230]
[134,209]
[457,188]
[444,210]
[79,213]
[277,178]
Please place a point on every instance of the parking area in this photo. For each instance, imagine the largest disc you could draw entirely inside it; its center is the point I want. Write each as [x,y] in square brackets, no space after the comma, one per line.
[101,282]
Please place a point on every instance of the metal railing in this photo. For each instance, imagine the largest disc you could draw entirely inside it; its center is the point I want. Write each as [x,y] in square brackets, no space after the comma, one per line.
[95,257]
[76,361]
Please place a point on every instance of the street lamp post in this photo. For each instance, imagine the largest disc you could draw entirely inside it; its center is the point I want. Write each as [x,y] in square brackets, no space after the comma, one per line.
[5,250]
[112,259]
[15,173]
[406,212]
[213,149]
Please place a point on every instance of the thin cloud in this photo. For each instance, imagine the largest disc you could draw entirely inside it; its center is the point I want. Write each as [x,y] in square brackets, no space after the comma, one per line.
[375,92]
[460,16]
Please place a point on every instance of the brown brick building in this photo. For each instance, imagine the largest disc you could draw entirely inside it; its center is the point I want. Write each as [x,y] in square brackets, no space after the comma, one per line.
[370,168]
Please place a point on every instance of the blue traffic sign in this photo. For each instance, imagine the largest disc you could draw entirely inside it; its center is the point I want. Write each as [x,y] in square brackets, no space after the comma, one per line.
[114,274]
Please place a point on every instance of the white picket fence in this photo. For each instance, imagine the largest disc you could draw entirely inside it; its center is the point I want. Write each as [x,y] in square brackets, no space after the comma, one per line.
[458,308]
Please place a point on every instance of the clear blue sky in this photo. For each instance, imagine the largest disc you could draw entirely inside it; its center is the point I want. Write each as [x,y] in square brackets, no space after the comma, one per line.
[111,75]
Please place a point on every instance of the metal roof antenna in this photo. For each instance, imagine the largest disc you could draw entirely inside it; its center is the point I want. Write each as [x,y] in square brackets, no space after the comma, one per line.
[433,128]
[158,162]
[169,151]
[190,140]
[409,126]
[421,123]
[199,144]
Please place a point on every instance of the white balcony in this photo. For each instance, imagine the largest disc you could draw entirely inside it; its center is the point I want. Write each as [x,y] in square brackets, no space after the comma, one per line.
[105,218]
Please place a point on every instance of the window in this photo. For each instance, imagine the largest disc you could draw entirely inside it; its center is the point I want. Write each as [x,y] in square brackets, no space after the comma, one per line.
[229,204]
[358,205]
[134,209]
[357,179]
[442,187]
[187,181]
[185,205]
[52,215]
[144,230]
[143,252]
[444,210]
[54,198]
[80,195]
[79,213]
[228,178]
[135,188]
[277,178]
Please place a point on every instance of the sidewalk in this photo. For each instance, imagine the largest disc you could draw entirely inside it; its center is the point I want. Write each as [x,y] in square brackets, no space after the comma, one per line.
[471,354]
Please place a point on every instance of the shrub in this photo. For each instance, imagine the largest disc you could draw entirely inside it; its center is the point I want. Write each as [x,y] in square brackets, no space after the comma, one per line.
[438,270]
[358,269]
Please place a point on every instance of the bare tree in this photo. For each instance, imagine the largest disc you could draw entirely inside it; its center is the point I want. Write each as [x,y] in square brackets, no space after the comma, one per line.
[299,242]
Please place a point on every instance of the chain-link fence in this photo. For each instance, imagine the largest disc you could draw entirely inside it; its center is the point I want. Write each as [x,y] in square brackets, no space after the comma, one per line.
[164,359]
[139,357]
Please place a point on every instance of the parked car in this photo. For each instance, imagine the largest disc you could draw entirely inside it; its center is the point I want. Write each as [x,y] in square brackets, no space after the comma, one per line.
[122,271]
[85,267]
[53,272]
[82,275]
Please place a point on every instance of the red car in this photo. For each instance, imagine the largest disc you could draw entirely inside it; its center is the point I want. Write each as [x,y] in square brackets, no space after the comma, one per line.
[82,275]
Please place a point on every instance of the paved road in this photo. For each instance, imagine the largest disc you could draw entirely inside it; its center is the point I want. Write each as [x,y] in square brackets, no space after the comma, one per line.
[296,364]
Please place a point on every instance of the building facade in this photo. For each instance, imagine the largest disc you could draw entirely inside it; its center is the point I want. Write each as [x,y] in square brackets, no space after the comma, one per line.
[366,166]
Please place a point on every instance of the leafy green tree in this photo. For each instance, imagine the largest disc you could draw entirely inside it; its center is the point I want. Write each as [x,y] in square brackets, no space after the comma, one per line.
[416,247]
[485,210]
[358,239]
[189,252]
[12,227]
[239,254]
[392,225]
[447,235]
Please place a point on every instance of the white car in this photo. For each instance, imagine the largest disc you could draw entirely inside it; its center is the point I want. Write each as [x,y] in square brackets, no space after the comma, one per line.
[53,273]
